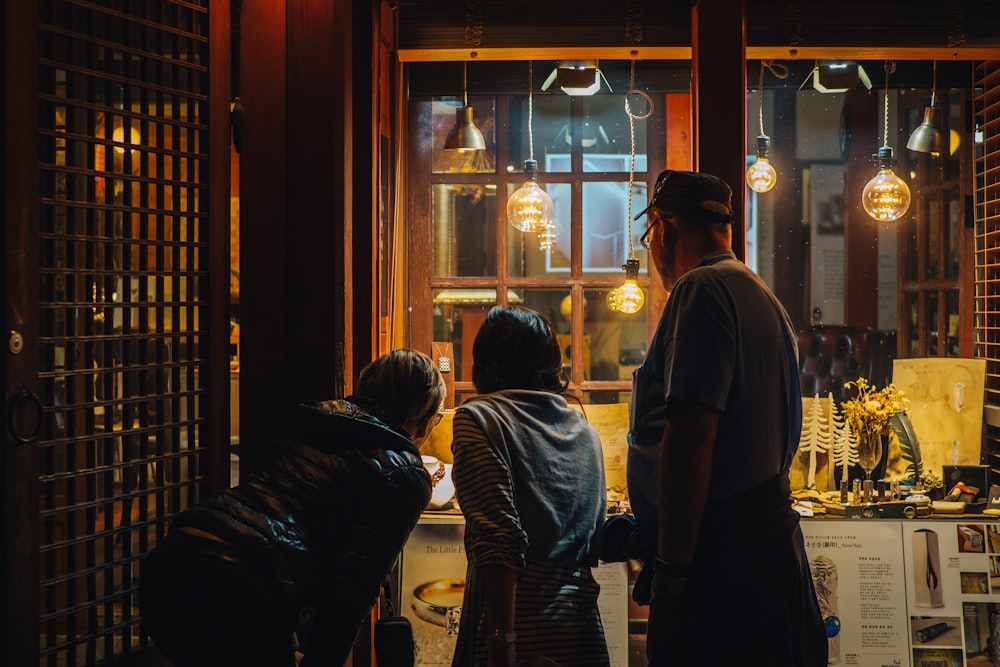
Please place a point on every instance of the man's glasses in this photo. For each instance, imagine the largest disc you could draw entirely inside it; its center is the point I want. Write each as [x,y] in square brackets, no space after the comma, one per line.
[644,239]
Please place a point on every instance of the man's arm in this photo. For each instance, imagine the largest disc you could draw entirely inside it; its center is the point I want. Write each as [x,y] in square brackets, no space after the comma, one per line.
[683,474]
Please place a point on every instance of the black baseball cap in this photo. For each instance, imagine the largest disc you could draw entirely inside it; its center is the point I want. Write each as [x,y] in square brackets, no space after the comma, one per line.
[692,192]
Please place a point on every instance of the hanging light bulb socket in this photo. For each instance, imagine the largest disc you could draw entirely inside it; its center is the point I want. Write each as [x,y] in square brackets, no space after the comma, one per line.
[761,176]
[530,208]
[628,297]
[886,197]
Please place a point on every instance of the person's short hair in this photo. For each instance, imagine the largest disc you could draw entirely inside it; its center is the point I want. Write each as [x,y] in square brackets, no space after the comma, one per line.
[695,196]
[405,384]
[516,349]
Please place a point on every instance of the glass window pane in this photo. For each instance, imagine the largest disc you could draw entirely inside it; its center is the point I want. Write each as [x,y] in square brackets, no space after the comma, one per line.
[549,138]
[933,324]
[912,268]
[605,211]
[953,237]
[458,313]
[444,115]
[953,164]
[954,325]
[933,241]
[616,342]
[606,136]
[913,331]
[464,229]
[538,253]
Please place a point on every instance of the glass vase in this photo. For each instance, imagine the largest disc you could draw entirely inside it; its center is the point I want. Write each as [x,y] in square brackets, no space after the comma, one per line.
[869,450]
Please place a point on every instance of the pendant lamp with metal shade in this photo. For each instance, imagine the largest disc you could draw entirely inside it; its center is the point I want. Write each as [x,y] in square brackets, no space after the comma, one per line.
[928,137]
[465,136]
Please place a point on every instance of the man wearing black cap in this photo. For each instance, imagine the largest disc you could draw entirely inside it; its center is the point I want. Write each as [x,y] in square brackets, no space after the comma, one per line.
[716,418]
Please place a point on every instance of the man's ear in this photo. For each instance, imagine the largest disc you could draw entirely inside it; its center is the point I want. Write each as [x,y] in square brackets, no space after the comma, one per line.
[670,232]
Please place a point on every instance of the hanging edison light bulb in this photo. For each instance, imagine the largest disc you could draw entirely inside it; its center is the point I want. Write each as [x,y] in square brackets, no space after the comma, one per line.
[628,297]
[761,175]
[530,208]
[886,197]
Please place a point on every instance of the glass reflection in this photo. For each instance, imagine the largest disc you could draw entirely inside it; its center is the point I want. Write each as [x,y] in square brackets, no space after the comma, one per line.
[464,229]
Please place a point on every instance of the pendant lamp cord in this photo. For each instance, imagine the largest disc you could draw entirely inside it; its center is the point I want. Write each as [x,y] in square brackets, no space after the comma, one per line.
[631,128]
[779,71]
[890,67]
[531,85]
[465,86]
[760,96]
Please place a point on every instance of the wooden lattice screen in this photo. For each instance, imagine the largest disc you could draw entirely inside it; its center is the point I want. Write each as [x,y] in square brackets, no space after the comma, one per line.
[987,221]
[123,245]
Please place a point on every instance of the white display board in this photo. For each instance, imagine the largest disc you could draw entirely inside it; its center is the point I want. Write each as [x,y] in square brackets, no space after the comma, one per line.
[920,593]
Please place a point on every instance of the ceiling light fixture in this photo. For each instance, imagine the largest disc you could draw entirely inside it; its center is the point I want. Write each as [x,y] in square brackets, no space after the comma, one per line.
[576,77]
[832,76]
[886,197]
[465,136]
[628,297]
[761,176]
[530,208]
[928,137]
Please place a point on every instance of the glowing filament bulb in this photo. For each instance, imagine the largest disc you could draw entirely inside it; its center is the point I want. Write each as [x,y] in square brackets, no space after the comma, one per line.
[886,197]
[530,208]
[761,175]
[628,297]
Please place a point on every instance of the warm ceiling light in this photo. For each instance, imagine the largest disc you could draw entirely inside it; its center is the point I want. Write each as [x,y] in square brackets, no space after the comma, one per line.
[576,77]
[761,176]
[465,136]
[628,297]
[886,197]
[928,137]
[530,208]
[830,76]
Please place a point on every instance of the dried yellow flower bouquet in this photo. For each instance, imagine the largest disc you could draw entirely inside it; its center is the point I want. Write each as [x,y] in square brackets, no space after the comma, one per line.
[872,409]
[868,415]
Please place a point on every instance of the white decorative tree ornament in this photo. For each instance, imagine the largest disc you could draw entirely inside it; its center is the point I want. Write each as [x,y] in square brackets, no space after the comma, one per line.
[845,445]
[815,438]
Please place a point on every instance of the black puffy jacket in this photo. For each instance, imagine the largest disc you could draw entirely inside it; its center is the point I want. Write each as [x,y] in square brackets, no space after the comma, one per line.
[326,518]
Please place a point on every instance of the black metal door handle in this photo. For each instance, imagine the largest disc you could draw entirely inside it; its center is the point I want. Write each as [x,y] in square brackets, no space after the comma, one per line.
[24,395]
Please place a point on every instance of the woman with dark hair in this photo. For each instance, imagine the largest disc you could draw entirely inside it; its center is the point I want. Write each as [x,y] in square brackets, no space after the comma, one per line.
[308,540]
[529,477]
